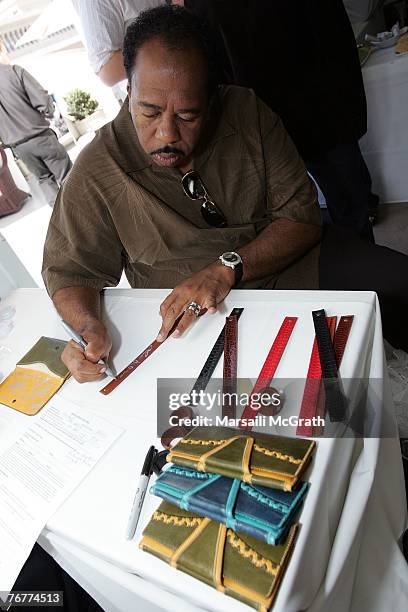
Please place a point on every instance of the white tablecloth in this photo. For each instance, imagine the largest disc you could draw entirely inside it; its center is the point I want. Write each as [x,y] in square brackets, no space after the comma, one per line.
[346,556]
[385,146]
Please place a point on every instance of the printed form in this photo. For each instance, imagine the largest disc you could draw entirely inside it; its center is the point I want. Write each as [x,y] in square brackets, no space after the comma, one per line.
[39,469]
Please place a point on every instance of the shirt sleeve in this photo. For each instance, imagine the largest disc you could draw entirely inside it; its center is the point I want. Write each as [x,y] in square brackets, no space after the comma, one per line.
[103,25]
[290,192]
[82,247]
[38,96]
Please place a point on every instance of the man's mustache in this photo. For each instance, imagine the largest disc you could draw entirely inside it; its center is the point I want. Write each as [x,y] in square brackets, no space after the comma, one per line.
[167,150]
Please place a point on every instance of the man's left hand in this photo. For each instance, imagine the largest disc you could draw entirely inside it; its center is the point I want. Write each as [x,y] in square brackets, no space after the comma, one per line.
[207,288]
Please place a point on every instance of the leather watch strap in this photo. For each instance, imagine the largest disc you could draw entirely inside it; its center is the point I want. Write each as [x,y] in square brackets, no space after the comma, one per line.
[214,357]
[201,383]
[312,386]
[314,395]
[325,345]
[229,385]
[153,346]
[177,431]
[341,337]
[269,367]
[335,400]
[340,342]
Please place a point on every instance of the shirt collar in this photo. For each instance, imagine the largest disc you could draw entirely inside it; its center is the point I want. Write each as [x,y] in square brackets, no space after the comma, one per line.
[132,158]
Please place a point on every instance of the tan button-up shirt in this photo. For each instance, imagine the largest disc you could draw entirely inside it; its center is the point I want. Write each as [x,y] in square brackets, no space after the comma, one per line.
[119,210]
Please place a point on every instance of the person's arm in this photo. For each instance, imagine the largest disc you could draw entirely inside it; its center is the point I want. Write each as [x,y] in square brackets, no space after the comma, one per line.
[277,246]
[82,255]
[80,308]
[38,96]
[293,227]
[113,71]
[103,25]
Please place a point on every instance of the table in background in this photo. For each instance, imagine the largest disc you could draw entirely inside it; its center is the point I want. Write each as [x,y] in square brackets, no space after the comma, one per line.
[385,146]
[346,556]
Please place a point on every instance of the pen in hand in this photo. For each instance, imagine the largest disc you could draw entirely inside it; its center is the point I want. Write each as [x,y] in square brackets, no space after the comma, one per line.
[79,339]
[147,470]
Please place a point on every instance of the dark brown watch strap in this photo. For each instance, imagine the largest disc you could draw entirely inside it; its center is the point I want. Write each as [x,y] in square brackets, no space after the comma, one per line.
[229,382]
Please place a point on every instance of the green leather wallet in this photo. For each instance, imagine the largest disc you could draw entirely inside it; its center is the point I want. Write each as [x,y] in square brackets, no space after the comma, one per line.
[234,563]
[270,461]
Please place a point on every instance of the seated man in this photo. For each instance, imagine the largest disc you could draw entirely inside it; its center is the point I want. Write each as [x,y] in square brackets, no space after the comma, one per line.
[186,174]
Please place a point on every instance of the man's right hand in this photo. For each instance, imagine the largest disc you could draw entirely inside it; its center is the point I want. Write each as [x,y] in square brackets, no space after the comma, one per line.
[83,363]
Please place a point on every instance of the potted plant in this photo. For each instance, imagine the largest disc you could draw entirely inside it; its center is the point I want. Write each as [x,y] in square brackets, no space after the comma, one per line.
[82,110]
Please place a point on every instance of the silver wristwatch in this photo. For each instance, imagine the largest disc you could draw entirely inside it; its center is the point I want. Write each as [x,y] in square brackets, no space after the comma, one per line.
[234,261]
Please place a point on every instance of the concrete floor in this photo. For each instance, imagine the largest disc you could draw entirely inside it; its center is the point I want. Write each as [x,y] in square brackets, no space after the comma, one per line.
[391,229]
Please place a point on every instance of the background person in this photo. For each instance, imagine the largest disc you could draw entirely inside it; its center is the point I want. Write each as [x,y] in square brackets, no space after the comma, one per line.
[104,24]
[301,59]
[24,109]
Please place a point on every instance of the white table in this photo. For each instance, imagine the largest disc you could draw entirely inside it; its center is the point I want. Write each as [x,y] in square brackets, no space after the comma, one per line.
[346,556]
[385,146]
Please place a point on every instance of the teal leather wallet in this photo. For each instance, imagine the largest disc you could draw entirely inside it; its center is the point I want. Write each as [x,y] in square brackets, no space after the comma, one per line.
[262,512]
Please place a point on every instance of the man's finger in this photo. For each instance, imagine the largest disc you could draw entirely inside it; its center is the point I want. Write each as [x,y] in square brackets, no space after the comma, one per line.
[173,312]
[77,354]
[72,352]
[94,354]
[86,371]
[98,346]
[81,369]
[186,320]
[85,376]
[210,304]
[165,305]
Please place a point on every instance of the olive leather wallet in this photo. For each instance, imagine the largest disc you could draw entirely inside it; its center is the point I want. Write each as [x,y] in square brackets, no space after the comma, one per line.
[234,563]
[258,459]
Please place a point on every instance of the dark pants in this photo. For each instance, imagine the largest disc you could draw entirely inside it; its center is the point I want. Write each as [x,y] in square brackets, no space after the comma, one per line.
[347,262]
[47,159]
[345,181]
[41,573]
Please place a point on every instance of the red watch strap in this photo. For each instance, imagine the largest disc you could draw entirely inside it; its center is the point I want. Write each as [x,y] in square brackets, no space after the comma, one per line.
[269,367]
[313,402]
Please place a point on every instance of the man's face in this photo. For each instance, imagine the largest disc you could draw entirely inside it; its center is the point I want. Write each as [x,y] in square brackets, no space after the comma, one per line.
[168,101]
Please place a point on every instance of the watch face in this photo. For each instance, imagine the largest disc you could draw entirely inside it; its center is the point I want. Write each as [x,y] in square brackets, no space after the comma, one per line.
[231,257]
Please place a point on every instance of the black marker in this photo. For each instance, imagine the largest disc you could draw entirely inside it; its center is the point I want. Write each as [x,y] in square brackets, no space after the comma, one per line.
[140,492]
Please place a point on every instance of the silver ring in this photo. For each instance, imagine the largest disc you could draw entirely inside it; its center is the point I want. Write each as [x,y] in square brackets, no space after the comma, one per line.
[194,307]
